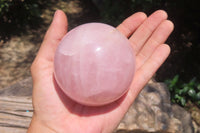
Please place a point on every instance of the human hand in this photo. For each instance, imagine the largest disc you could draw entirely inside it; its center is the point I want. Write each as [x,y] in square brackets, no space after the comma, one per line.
[55,112]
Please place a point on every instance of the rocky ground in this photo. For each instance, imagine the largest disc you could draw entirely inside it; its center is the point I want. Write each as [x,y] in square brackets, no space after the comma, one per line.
[18,52]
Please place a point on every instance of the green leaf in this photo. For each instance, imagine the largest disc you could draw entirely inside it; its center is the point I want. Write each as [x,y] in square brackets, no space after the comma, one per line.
[177,90]
[198,87]
[174,81]
[173,101]
[35,5]
[168,81]
[192,93]
[192,82]
[180,91]
[177,97]
[185,90]
[198,96]
[183,101]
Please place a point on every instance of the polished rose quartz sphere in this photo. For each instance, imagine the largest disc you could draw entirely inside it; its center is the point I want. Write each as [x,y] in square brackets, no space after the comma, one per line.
[94,64]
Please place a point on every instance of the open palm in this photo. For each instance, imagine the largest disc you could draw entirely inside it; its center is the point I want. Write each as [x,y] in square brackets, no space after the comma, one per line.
[55,112]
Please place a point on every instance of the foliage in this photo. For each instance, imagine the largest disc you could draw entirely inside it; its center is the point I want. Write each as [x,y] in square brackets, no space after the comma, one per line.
[113,12]
[184,41]
[182,92]
[16,16]
[19,12]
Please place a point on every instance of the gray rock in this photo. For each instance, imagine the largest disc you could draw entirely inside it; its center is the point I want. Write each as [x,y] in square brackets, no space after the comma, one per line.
[152,112]
[182,115]
[22,88]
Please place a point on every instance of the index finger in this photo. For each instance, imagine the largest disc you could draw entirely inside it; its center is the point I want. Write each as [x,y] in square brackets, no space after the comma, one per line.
[129,25]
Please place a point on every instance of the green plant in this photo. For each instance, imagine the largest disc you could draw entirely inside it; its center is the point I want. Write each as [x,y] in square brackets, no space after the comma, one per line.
[16,16]
[19,12]
[4,5]
[113,12]
[184,41]
[182,92]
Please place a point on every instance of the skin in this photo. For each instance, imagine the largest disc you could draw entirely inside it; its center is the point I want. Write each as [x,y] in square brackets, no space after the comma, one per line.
[54,112]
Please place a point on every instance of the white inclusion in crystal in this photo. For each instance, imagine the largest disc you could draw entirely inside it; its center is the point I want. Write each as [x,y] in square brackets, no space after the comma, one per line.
[98,49]
[71,49]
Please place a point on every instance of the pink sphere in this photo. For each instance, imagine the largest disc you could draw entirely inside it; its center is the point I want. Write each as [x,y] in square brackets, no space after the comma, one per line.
[94,64]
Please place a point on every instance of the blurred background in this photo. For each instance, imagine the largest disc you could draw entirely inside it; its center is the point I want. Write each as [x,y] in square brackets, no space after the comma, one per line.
[23,24]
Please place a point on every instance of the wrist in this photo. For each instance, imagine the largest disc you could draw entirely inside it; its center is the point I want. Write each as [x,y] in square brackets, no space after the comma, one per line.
[37,126]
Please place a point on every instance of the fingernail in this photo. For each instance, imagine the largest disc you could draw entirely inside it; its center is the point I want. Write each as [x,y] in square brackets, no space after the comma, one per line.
[55,14]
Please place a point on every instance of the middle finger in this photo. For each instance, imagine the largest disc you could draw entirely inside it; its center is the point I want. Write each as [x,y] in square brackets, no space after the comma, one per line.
[142,34]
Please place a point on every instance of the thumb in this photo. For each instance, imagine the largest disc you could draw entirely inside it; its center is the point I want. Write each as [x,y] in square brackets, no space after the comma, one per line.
[54,34]
[45,56]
